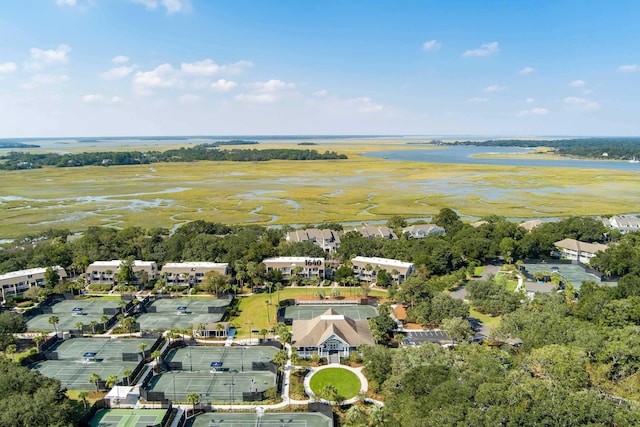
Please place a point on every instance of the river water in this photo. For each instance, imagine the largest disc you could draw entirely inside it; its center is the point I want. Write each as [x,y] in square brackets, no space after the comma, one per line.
[463,155]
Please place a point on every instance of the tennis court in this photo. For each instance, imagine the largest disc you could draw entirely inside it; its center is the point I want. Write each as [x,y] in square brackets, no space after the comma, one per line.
[571,273]
[71,312]
[181,313]
[76,359]
[275,419]
[216,373]
[212,386]
[128,418]
[307,312]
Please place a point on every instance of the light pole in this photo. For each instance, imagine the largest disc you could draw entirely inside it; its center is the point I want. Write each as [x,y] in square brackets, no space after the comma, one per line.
[231,384]
[190,360]
[242,369]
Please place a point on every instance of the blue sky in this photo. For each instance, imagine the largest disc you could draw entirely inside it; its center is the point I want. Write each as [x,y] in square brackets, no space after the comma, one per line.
[189,67]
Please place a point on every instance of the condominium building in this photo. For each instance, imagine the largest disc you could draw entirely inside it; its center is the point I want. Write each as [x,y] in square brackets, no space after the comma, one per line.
[309,267]
[329,240]
[191,273]
[104,272]
[366,268]
[579,251]
[16,282]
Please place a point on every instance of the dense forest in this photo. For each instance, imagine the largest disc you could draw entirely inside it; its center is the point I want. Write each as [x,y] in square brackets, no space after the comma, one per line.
[209,151]
[615,148]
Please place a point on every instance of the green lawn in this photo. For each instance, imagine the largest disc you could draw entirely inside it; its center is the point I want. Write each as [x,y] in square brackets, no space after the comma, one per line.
[490,321]
[346,382]
[477,272]
[254,308]
[511,285]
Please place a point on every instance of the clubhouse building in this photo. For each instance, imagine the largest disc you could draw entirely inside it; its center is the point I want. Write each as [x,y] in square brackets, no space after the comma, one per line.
[191,273]
[15,283]
[330,334]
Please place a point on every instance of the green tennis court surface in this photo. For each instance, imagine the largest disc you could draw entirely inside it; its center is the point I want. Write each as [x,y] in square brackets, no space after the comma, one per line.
[572,273]
[92,310]
[275,419]
[239,358]
[307,312]
[164,314]
[128,418]
[219,384]
[73,369]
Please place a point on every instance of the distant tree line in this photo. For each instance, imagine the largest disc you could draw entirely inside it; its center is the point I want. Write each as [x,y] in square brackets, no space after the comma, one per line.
[615,148]
[209,151]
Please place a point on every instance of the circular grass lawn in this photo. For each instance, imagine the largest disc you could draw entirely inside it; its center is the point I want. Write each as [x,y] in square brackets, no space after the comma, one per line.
[346,382]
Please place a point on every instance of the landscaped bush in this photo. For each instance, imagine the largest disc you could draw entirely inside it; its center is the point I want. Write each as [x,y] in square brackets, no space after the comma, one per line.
[99,287]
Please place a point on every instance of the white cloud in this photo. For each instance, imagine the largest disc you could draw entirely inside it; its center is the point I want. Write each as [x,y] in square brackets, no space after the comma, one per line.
[583,104]
[171,6]
[209,68]
[537,111]
[40,58]
[98,98]
[529,100]
[223,85]
[257,98]
[189,99]
[8,68]
[364,104]
[631,68]
[120,59]
[494,88]
[486,49]
[272,85]
[163,76]
[39,80]
[266,92]
[577,83]
[431,45]
[478,100]
[526,70]
[321,93]
[116,73]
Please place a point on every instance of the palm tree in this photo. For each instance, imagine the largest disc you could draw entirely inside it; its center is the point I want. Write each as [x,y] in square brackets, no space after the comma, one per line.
[111,381]
[268,313]
[156,355]
[263,332]
[142,347]
[54,320]
[93,325]
[79,326]
[126,376]
[193,399]
[104,319]
[83,395]
[94,379]
[38,340]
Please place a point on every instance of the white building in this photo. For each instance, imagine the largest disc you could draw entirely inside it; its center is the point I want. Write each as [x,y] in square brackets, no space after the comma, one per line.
[366,268]
[579,251]
[191,273]
[16,282]
[309,267]
[625,223]
[329,240]
[420,231]
[104,272]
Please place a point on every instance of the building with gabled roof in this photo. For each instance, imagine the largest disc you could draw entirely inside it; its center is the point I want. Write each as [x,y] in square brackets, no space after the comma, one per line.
[579,251]
[104,272]
[330,333]
[420,231]
[624,223]
[328,240]
[191,273]
[372,231]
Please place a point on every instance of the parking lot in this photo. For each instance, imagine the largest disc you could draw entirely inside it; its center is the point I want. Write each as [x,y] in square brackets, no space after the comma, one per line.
[419,337]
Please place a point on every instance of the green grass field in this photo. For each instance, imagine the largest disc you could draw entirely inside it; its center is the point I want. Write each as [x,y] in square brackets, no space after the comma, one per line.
[253,308]
[358,189]
[346,382]
[490,321]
